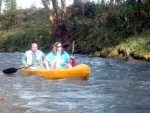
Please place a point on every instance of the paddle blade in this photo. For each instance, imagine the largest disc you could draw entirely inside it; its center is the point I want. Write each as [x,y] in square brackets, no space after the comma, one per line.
[9,70]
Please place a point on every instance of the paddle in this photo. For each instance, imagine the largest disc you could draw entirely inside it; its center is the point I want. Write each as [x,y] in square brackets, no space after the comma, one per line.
[11,70]
[73,63]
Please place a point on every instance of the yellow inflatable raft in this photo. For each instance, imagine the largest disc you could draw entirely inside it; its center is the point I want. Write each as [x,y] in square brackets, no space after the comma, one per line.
[81,70]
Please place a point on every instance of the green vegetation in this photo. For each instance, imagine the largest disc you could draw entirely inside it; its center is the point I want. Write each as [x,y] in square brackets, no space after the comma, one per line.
[105,30]
[31,26]
[139,44]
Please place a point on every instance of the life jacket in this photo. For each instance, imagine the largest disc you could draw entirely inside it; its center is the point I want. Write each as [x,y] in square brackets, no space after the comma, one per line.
[39,55]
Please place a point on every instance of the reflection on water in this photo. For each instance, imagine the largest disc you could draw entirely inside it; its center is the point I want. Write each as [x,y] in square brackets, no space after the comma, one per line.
[114,86]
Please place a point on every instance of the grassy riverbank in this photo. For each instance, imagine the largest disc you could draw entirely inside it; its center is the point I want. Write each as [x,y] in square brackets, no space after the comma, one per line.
[139,45]
[103,30]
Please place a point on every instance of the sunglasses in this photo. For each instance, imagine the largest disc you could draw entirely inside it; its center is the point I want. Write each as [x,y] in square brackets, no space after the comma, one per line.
[58,46]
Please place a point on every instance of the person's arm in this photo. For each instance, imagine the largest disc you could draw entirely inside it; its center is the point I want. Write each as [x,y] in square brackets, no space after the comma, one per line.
[66,57]
[24,61]
[47,60]
[46,63]
[72,57]
[43,56]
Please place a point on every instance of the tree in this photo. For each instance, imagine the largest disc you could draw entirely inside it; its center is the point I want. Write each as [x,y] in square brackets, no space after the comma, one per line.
[10,4]
[58,19]
[13,4]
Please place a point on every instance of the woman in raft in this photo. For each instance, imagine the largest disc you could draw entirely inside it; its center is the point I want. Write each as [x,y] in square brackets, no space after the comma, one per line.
[58,58]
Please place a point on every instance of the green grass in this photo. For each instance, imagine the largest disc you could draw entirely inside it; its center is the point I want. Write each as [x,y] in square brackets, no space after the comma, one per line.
[139,44]
[19,37]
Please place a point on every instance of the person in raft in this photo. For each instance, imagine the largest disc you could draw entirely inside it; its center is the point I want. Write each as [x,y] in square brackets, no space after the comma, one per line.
[58,58]
[34,58]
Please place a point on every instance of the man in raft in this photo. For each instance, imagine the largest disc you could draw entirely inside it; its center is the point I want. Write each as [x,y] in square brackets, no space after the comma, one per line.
[33,59]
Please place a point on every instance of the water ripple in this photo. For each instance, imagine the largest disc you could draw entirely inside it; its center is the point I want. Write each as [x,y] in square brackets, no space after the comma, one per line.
[112,87]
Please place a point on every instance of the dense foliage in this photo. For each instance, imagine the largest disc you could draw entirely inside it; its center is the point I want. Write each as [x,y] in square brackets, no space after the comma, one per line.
[108,24]
[97,28]
[27,26]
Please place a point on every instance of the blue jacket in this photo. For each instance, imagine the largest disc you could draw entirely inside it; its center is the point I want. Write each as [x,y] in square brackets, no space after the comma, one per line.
[64,58]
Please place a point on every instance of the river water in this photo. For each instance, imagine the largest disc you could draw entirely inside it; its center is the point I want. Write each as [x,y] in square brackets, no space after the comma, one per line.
[114,86]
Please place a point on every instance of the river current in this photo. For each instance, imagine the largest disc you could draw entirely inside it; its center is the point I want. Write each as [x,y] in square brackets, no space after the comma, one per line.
[114,86]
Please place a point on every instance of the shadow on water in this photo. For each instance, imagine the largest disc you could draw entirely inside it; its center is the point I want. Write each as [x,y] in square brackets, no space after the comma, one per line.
[112,87]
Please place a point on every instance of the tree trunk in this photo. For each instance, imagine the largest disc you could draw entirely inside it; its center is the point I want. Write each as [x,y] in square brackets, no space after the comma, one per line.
[64,12]
[56,8]
[48,12]
[63,2]
[58,20]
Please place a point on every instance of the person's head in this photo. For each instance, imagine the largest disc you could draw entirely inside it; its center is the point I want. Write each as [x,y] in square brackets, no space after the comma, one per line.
[58,47]
[34,47]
